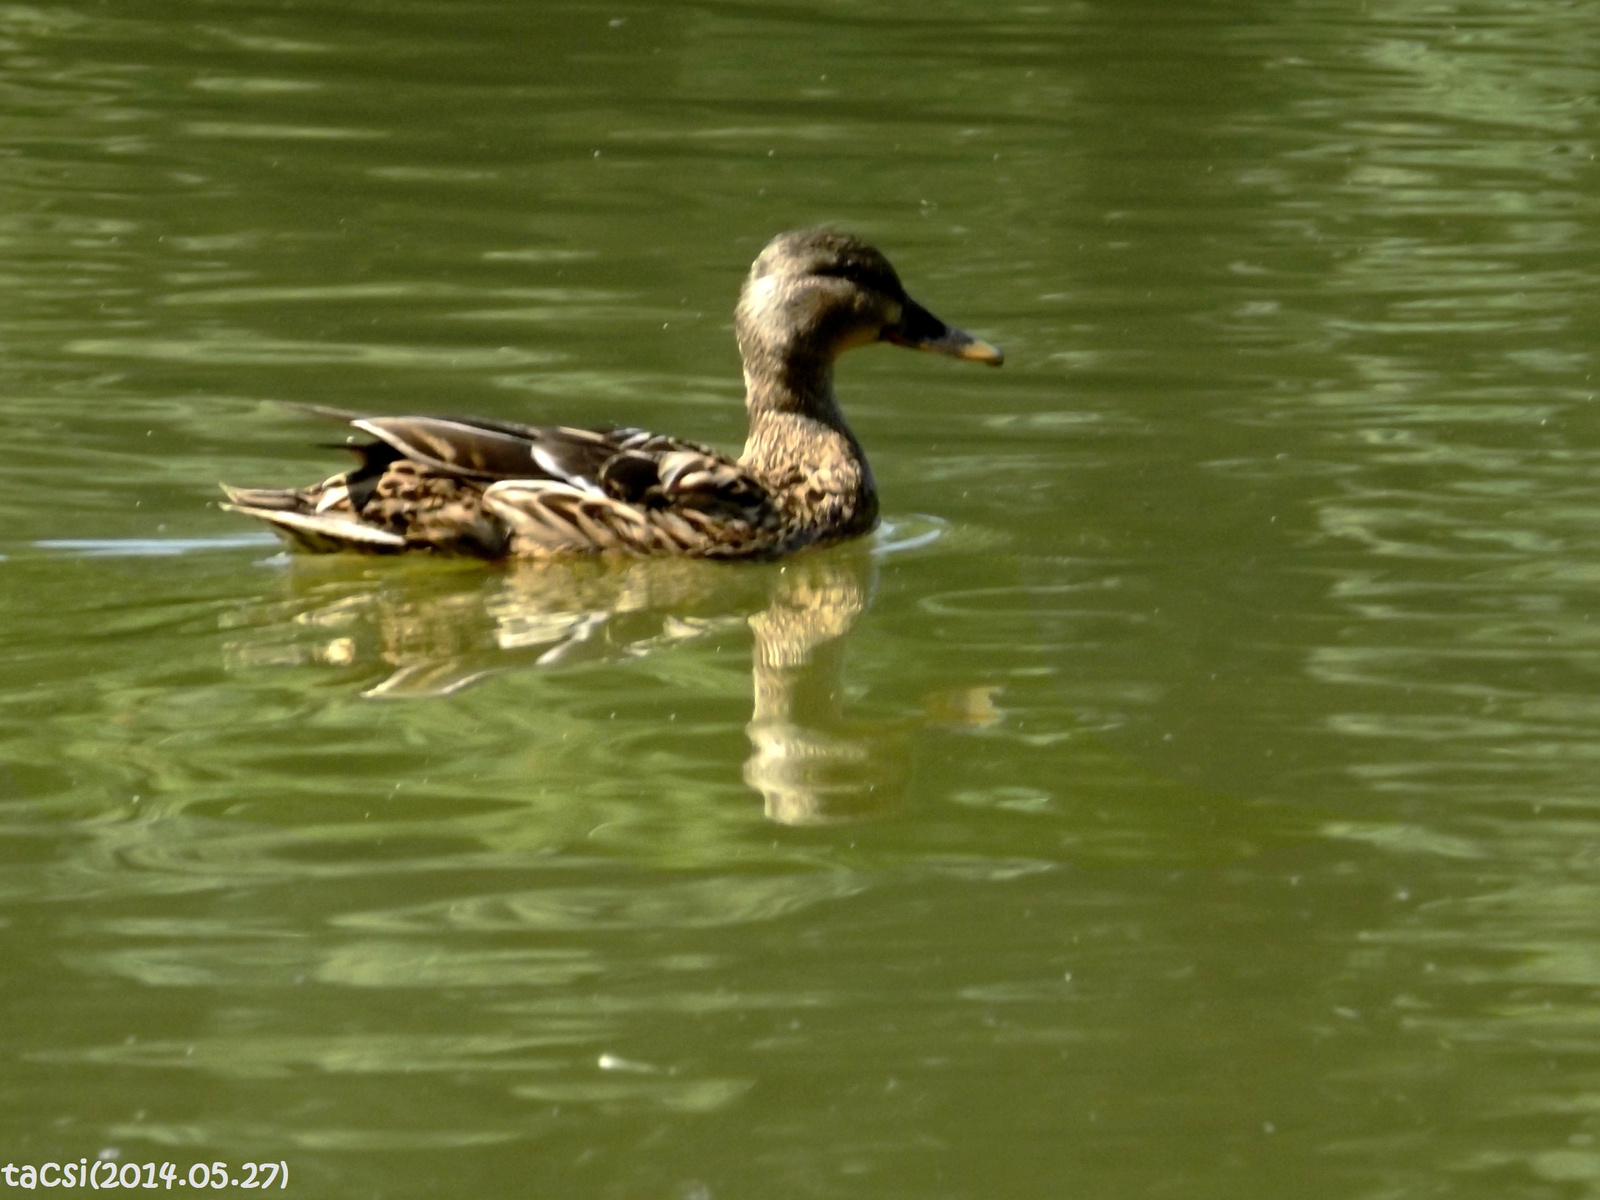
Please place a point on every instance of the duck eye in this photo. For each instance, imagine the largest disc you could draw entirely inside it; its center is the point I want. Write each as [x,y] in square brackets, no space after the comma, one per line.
[839,271]
[860,275]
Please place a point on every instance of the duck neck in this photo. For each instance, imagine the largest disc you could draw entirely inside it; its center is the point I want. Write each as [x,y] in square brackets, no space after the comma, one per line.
[801,448]
[797,390]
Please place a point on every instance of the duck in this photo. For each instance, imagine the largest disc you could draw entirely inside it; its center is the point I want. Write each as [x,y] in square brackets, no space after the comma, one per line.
[492,489]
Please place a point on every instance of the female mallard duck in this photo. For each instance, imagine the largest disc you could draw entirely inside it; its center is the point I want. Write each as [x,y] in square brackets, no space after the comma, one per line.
[465,485]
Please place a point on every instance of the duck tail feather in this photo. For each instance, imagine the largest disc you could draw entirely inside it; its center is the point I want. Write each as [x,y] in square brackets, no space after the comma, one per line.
[269,499]
[325,412]
[323,533]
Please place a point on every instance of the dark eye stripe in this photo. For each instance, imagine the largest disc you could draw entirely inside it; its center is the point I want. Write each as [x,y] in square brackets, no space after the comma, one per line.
[859,274]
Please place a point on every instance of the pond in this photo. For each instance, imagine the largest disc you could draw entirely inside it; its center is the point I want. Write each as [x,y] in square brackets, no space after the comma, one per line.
[1189,790]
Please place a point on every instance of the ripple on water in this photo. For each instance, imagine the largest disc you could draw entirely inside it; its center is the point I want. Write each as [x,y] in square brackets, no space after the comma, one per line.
[245,349]
[677,1096]
[229,1136]
[263,131]
[1052,599]
[155,547]
[399,290]
[405,963]
[255,85]
[695,904]
[246,1057]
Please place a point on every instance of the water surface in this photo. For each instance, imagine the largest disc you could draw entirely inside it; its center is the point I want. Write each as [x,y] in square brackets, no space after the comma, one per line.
[1190,792]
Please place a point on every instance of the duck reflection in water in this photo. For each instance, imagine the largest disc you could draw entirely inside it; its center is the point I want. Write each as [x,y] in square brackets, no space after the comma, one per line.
[809,760]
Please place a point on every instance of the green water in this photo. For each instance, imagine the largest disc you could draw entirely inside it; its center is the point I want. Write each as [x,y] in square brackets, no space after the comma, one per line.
[1191,792]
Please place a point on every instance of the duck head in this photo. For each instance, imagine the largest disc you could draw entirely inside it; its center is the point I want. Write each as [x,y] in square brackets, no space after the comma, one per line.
[813,294]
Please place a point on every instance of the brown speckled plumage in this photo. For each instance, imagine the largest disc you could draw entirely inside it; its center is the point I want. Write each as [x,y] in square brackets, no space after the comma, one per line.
[464,485]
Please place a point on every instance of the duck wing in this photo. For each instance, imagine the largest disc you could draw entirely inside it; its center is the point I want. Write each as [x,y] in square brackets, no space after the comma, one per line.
[564,490]
[489,450]
[471,485]
[484,449]
[653,495]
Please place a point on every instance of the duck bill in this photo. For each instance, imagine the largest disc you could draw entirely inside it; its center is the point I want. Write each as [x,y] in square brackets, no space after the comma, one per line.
[919,329]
